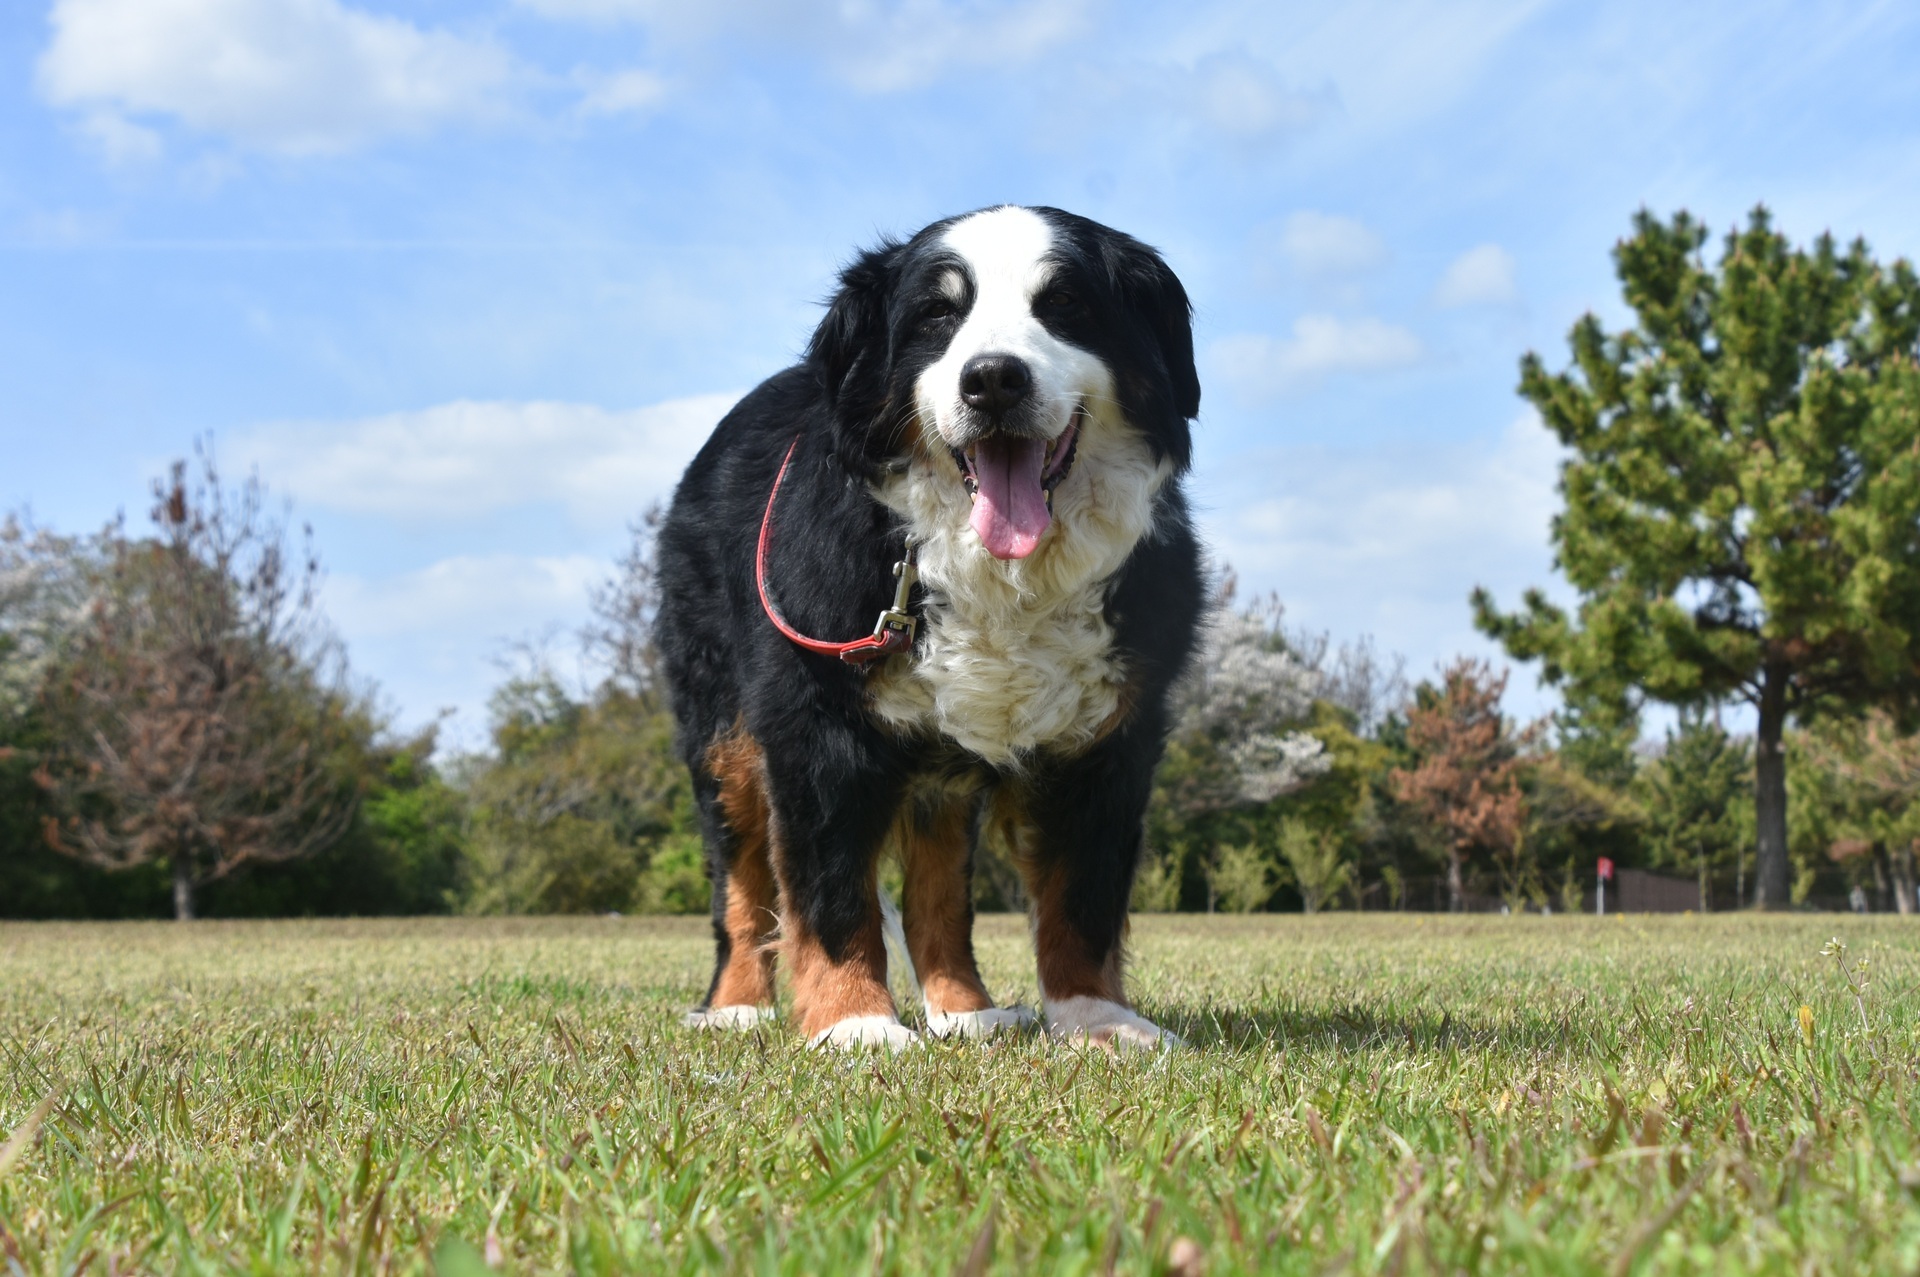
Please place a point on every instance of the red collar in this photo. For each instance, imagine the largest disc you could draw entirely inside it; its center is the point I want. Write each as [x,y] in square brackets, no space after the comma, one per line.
[893,632]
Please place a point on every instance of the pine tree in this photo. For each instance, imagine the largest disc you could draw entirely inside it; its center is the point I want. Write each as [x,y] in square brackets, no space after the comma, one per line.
[1742,502]
[1691,799]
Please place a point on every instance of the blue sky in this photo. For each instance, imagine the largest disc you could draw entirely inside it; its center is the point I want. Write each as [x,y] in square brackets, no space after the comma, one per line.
[470,279]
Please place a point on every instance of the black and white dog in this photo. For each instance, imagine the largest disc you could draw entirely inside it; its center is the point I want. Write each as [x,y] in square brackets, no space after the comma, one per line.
[1001,402]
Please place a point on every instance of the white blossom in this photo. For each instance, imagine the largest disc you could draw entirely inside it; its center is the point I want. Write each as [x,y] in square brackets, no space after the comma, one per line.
[45,592]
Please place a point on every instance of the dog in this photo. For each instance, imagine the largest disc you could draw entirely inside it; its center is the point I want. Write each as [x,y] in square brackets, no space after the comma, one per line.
[984,442]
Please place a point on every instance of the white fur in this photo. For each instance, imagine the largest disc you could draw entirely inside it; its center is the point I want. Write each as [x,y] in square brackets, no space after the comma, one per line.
[1005,250]
[866,1030]
[1018,654]
[734,1017]
[978,1024]
[1104,1023]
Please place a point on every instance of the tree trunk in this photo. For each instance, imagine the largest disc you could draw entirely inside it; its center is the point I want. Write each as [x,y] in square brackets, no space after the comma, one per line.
[1770,794]
[1456,890]
[182,889]
[1902,858]
[1706,898]
[1882,881]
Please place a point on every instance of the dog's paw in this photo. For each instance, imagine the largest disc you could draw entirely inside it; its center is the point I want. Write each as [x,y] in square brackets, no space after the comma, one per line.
[1105,1024]
[979,1024]
[858,1031]
[734,1017]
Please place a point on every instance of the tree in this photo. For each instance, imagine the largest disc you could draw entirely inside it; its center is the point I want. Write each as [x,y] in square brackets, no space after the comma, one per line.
[1466,781]
[1691,796]
[1742,502]
[197,719]
[1316,860]
[1866,774]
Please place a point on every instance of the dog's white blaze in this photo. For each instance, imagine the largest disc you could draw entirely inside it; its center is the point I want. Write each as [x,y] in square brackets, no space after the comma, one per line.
[1107,1023]
[1017,654]
[1005,250]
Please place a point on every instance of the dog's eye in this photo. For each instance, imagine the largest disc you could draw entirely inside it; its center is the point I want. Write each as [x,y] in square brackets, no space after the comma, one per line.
[1059,299]
[934,312]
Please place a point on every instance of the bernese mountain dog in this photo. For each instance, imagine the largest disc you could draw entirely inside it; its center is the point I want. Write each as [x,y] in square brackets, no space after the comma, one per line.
[984,444]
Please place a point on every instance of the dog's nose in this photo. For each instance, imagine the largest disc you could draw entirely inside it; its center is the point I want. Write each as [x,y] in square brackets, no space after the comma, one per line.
[993,384]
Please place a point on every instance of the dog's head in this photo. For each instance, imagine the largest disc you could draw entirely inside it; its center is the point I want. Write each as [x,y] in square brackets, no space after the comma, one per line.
[1000,340]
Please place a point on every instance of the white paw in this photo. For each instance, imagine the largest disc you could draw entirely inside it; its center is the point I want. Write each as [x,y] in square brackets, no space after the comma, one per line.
[734,1017]
[866,1030]
[1105,1023]
[978,1024]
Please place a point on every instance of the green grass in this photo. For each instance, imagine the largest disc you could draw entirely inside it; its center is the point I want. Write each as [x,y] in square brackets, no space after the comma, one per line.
[1369,1094]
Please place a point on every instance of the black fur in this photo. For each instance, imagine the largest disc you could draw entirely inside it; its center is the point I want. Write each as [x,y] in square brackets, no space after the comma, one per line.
[835,776]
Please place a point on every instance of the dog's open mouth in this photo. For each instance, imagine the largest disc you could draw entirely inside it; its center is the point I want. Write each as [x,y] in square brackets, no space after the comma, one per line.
[1011,481]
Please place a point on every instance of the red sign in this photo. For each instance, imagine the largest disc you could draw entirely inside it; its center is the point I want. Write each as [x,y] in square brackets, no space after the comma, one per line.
[1606,869]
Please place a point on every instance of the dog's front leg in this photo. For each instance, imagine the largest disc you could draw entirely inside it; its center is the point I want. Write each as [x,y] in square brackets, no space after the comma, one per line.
[830,819]
[1079,830]
[936,838]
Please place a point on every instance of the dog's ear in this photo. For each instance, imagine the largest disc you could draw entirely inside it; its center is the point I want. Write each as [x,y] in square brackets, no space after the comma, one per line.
[1156,294]
[849,348]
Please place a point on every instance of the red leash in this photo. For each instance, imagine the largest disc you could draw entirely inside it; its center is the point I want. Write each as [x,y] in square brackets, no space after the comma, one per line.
[893,632]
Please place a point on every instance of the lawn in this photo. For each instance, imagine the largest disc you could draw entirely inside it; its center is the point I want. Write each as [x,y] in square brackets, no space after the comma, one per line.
[1367,1093]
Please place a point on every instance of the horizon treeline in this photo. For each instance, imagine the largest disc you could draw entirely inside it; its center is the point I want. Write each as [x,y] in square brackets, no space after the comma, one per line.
[173,708]
[180,734]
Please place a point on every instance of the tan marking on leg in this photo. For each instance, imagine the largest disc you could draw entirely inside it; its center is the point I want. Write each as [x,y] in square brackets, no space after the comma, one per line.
[1067,968]
[752,917]
[935,844]
[826,992]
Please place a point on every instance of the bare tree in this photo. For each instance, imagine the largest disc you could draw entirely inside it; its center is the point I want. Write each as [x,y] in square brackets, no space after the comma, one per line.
[621,631]
[201,710]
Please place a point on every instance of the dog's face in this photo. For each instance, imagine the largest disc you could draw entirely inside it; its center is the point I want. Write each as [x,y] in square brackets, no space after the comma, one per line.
[1000,340]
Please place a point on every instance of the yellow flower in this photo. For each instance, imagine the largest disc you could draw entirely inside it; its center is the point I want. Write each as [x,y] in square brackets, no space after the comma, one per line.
[1806,1025]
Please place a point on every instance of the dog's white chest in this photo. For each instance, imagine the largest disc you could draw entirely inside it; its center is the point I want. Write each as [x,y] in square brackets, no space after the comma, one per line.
[1002,682]
[1018,656]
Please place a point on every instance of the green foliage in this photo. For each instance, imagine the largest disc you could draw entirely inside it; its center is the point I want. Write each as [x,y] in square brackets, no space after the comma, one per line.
[1316,859]
[1742,490]
[1697,800]
[584,807]
[1242,878]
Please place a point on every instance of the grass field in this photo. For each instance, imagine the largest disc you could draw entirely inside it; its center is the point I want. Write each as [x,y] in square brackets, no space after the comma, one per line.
[1363,1093]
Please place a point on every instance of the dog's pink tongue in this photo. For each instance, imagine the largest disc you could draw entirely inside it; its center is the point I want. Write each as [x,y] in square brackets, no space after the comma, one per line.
[1010,508]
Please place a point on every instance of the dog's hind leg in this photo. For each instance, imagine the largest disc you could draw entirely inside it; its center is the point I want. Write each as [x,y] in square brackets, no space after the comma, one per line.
[935,833]
[732,793]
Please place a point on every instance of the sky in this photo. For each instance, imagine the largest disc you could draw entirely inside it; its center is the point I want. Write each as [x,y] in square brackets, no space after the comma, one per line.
[468,281]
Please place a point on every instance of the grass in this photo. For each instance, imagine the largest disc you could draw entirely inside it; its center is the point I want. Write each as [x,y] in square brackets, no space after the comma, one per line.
[1363,1093]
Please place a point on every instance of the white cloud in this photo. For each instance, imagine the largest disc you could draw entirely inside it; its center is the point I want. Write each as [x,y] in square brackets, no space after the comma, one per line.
[1390,540]
[1247,99]
[463,460]
[1328,245]
[875,46]
[297,76]
[1482,276]
[631,92]
[121,142]
[493,595]
[1262,367]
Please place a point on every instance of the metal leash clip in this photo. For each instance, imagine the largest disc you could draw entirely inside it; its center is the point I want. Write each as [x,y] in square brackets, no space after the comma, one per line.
[896,627]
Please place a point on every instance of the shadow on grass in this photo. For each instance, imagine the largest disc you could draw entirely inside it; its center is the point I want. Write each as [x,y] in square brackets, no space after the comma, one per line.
[1421,1032]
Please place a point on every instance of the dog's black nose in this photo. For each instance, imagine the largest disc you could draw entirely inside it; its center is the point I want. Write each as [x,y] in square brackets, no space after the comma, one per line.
[993,384]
